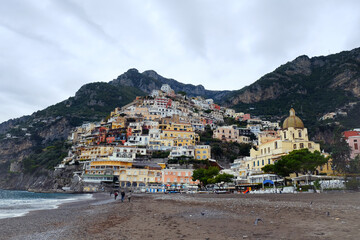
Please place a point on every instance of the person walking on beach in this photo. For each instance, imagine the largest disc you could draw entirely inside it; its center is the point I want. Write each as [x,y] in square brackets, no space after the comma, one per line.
[122,195]
[116,194]
[129,196]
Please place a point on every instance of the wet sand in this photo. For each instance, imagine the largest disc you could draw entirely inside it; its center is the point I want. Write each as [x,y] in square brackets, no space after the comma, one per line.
[198,216]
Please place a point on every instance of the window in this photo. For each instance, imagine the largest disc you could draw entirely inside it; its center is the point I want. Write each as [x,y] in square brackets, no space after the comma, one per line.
[254,164]
[258,162]
[301,145]
[294,146]
[299,133]
[276,145]
[285,135]
[356,146]
[309,145]
[269,161]
[268,149]
[262,162]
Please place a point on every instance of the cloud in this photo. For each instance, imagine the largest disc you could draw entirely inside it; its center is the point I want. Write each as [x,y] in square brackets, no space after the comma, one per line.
[50,48]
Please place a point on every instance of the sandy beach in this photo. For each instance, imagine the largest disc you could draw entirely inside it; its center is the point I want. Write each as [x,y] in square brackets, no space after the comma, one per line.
[198,216]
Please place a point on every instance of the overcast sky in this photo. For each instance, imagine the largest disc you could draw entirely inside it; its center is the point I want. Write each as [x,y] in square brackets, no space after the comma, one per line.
[50,48]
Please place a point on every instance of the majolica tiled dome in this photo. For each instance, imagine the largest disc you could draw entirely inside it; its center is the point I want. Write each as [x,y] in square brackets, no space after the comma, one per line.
[293,121]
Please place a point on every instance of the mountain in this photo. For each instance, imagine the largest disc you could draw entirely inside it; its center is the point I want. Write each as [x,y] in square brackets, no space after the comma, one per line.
[150,80]
[36,143]
[313,86]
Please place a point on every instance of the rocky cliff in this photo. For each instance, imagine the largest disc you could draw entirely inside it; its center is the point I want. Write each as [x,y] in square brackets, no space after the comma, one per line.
[151,80]
[305,76]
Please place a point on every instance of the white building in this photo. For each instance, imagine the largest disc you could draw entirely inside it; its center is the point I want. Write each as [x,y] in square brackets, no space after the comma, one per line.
[141,140]
[187,151]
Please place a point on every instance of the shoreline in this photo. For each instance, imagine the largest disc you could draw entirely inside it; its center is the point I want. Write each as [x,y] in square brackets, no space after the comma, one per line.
[194,216]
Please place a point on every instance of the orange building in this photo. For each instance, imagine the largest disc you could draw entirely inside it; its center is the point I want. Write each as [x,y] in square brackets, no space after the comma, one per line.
[178,176]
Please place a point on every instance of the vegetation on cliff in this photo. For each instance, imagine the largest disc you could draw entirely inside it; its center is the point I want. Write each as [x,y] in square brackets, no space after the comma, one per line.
[47,157]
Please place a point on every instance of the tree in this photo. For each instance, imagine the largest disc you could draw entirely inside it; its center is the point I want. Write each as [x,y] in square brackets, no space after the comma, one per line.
[354,165]
[205,175]
[297,161]
[224,177]
[340,153]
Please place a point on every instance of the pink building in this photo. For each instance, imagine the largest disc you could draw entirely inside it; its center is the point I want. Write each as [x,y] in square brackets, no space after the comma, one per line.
[353,139]
[163,102]
[178,176]
[246,117]
[230,134]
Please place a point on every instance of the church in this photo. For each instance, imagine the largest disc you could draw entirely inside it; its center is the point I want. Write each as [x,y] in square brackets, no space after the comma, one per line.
[292,136]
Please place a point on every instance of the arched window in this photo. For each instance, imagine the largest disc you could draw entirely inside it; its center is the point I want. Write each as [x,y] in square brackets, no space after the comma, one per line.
[294,146]
[276,145]
[300,134]
[301,145]
[309,145]
[284,134]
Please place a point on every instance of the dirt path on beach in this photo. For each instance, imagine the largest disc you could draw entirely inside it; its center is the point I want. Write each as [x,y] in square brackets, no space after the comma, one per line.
[174,216]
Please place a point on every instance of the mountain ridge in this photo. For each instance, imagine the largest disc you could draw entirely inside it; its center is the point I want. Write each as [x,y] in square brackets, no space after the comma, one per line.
[332,82]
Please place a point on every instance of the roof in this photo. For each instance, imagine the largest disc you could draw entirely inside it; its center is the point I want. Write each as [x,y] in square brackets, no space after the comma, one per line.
[144,164]
[293,121]
[351,133]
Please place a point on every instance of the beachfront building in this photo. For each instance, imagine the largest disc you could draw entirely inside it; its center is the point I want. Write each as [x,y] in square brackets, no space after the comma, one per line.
[178,177]
[293,136]
[127,173]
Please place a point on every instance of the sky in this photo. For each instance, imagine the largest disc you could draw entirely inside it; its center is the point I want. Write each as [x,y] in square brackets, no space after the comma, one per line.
[50,48]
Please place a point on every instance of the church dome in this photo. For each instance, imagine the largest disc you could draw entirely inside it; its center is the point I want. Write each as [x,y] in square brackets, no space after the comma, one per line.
[293,121]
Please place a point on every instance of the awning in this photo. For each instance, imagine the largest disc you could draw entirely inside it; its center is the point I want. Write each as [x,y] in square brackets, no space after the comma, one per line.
[268,181]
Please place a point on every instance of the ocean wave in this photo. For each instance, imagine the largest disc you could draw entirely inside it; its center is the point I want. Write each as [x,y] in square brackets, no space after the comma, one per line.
[19,203]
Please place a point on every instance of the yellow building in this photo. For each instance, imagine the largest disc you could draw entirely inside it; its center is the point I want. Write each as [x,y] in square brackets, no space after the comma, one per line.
[160,144]
[202,152]
[93,152]
[118,122]
[181,133]
[293,136]
[128,175]
[99,166]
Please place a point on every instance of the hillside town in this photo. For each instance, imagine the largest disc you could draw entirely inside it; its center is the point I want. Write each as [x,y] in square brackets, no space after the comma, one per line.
[153,144]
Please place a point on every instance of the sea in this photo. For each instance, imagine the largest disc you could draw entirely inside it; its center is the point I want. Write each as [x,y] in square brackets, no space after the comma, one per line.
[19,203]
